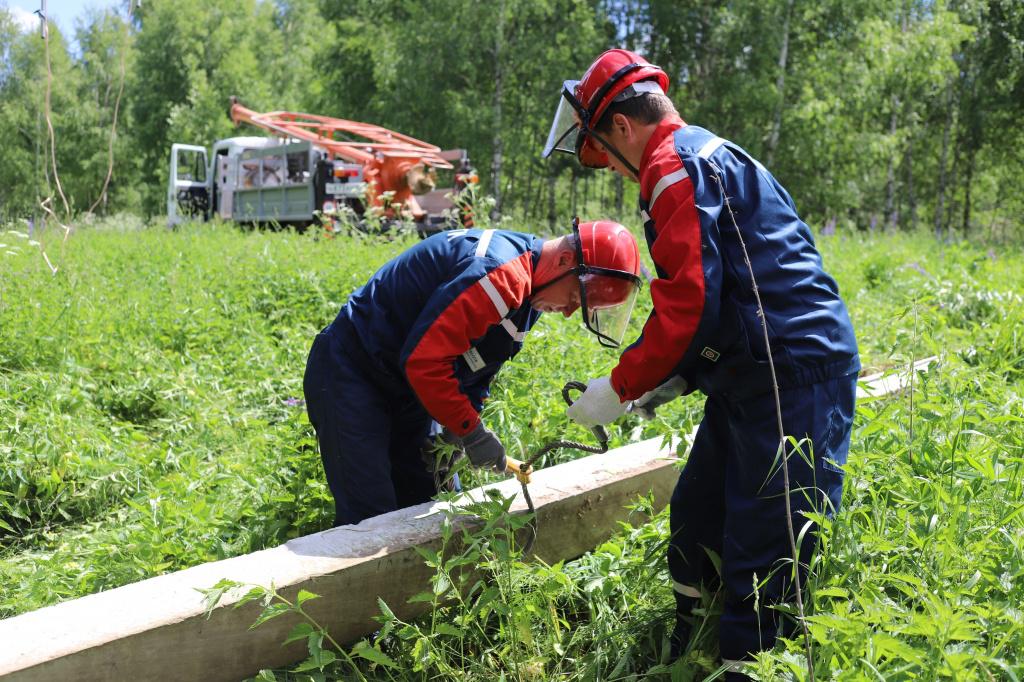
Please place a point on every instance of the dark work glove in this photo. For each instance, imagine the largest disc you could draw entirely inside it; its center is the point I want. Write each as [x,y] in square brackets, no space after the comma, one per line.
[484,449]
[645,405]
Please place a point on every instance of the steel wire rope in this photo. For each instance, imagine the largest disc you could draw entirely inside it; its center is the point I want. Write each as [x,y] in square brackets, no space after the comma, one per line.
[527,468]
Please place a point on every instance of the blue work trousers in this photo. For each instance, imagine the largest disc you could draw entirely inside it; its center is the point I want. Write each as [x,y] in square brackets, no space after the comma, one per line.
[730,500]
[371,433]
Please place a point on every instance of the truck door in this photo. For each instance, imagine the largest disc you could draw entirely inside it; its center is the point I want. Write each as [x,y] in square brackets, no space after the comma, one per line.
[188,188]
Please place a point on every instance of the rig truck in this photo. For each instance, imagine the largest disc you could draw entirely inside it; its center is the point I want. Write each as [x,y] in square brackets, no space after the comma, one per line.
[319,169]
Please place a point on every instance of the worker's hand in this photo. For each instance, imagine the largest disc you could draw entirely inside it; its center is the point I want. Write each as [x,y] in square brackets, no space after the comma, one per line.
[645,405]
[440,452]
[598,405]
[484,449]
[521,470]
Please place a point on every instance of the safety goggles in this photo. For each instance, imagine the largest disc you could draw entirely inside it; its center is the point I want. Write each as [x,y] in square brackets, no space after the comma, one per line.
[607,296]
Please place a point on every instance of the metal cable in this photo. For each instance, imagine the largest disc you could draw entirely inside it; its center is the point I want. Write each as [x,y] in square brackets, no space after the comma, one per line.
[599,433]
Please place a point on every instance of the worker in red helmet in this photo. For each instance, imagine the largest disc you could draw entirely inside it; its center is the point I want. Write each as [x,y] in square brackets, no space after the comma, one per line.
[414,350]
[606,276]
[741,305]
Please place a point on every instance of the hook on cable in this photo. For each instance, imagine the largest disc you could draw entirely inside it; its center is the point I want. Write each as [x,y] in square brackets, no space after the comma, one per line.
[522,470]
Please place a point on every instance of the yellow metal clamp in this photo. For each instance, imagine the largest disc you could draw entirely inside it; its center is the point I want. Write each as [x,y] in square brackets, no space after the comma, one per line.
[522,471]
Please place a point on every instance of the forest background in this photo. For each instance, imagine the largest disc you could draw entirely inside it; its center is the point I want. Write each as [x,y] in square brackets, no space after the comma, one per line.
[874,113]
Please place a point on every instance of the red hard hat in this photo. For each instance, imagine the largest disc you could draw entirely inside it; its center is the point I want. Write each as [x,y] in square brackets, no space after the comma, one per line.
[608,267]
[609,245]
[610,74]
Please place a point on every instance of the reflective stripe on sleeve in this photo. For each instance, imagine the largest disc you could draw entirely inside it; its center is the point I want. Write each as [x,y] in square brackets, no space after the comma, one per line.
[492,293]
[686,590]
[663,184]
[709,147]
[485,241]
[513,331]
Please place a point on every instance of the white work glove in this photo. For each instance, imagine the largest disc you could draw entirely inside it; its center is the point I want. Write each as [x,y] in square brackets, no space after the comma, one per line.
[598,405]
[645,405]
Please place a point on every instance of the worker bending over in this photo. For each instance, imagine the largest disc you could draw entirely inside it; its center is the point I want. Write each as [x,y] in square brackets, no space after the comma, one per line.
[420,342]
[706,204]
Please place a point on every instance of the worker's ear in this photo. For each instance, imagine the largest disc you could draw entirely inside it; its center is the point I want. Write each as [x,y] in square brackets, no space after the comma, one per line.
[624,126]
[566,256]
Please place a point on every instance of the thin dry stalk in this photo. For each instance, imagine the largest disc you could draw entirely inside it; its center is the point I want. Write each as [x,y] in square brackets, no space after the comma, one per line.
[782,433]
[45,204]
[49,121]
[117,108]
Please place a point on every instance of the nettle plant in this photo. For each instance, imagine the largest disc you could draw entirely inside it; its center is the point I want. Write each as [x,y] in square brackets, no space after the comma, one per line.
[151,420]
[492,614]
[473,619]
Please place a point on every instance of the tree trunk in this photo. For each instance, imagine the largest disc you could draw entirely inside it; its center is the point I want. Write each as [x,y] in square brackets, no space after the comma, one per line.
[586,192]
[975,117]
[496,161]
[528,195]
[780,87]
[39,175]
[968,181]
[891,211]
[702,51]
[552,213]
[537,207]
[911,199]
[617,181]
[573,178]
[940,200]
[510,181]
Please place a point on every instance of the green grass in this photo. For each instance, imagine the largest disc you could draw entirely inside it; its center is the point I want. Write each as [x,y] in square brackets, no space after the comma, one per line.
[148,399]
[148,422]
[147,396]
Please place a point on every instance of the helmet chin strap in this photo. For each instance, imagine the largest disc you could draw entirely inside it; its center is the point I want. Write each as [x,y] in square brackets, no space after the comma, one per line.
[618,155]
[557,278]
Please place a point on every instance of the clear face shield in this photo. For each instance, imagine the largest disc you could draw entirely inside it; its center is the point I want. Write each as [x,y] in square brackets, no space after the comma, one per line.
[605,319]
[571,131]
[565,127]
[606,297]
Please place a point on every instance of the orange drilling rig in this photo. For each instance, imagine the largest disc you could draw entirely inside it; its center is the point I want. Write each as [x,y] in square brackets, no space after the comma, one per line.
[317,167]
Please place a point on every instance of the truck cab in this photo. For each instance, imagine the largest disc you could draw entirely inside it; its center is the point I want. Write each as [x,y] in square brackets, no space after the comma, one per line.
[260,180]
[188,190]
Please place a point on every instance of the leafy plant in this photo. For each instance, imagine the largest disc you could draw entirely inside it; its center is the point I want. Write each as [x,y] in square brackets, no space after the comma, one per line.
[151,419]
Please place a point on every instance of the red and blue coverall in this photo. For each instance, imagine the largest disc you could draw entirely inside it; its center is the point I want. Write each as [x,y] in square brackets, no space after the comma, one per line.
[418,343]
[705,327]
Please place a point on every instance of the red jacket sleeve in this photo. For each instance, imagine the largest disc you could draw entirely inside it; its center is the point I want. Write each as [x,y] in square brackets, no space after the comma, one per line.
[678,299]
[430,364]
